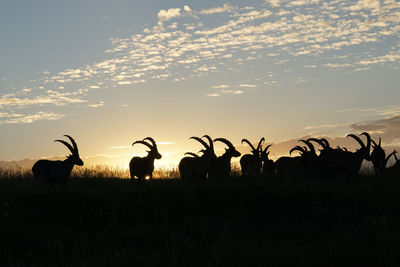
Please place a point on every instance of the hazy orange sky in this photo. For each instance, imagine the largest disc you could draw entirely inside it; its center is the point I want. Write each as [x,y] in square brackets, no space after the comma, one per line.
[112,72]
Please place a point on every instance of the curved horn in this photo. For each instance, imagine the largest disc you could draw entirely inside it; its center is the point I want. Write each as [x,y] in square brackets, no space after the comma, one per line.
[259,143]
[201,141]
[321,142]
[210,141]
[72,142]
[369,139]
[266,148]
[192,154]
[374,144]
[151,140]
[357,139]
[143,143]
[248,142]
[388,157]
[67,145]
[299,148]
[326,142]
[310,145]
[225,141]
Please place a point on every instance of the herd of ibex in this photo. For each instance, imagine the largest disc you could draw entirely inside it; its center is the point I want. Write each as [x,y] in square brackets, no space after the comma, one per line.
[329,162]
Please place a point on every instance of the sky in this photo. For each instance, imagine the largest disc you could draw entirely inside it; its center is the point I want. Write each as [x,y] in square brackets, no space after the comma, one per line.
[110,72]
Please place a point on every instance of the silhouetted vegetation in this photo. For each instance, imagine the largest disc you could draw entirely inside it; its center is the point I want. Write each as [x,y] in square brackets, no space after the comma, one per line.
[279,221]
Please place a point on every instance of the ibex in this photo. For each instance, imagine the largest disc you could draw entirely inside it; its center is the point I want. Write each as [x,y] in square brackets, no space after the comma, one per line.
[251,163]
[378,157]
[340,161]
[195,167]
[143,167]
[211,172]
[394,170]
[222,166]
[58,171]
[285,166]
[268,168]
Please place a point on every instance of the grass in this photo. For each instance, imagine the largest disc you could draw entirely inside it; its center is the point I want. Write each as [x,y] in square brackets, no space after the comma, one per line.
[99,221]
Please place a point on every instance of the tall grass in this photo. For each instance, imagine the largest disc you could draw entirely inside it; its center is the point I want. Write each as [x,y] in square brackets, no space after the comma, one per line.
[96,171]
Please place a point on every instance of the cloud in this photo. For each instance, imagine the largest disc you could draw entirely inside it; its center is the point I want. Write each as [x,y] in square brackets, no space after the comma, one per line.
[338,35]
[213,94]
[164,15]
[222,86]
[302,2]
[246,85]
[388,128]
[226,92]
[216,10]
[327,126]
[274,3]
[187,9]
[14,118]
[100,104]
[52,98]
[368,4]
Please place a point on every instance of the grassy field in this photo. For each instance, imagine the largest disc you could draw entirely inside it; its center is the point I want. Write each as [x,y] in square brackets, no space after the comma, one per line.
[98,221]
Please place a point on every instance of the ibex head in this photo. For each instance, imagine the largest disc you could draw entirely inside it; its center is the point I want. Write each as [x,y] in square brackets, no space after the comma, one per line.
[310,146]
[302,150]
[378,157]
[210,142]
[256,152]
[208,151]
[231,149]
[365,149]
[74,150]
[153,152]
[265,153]
[322,142]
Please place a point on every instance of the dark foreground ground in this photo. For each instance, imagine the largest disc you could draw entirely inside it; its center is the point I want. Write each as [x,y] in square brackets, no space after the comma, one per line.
[256,222]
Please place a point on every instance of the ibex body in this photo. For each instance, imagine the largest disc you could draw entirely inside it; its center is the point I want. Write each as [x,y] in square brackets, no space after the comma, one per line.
[143,167]
[222,165]
[394,170]
[286,166]
[336,161]
[195,168]
[213,164]
[268,166]
[251,163]
[379,158]
[58,171]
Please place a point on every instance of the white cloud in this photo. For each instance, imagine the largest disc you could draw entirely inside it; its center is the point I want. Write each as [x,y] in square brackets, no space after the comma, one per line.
[164,15]
[222,86]
[275,3]
[187,9]
[368,4]
[246,85]
[213,94]
[100,104]
[206,45]
[226,92]
[215,10]
[302,2]
[6,118]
